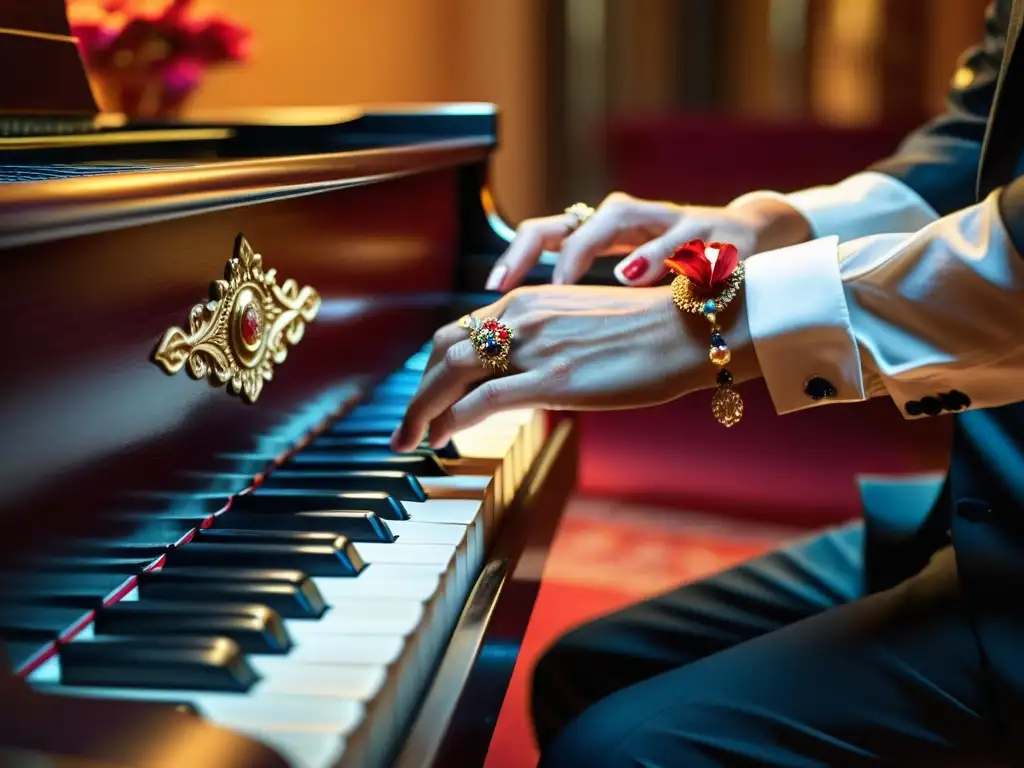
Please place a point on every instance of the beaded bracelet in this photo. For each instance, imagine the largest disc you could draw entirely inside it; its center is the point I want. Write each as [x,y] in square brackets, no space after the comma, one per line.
[708,278]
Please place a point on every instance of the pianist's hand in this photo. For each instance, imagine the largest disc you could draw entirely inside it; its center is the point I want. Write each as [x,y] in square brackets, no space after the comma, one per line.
[647,230]
[574,348]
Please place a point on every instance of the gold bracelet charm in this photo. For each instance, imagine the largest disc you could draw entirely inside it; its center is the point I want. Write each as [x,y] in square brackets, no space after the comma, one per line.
[708,277]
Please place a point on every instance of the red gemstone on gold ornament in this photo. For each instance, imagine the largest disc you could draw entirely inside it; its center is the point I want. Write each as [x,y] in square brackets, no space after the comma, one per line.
[252,325]
[503,335]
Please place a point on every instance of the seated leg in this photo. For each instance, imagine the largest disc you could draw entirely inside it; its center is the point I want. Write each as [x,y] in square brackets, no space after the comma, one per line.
[894,678]
[693,622]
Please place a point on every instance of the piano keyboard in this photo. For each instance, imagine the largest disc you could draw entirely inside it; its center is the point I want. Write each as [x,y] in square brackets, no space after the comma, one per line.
[311,614]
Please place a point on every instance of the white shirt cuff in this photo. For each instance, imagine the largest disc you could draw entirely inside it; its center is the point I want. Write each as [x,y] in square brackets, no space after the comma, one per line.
[800,326]
[867,203]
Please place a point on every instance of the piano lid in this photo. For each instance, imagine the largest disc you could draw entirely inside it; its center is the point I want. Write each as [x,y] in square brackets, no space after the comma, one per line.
[41,72]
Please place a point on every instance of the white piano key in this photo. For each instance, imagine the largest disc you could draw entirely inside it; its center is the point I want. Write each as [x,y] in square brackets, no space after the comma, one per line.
[395,618]
[475,517]
[452,511]
[468,540]
[411,554]
[417,531]
[403,661]
[438,486]
[488,440]
[418,554]
[401,572]
[384,580]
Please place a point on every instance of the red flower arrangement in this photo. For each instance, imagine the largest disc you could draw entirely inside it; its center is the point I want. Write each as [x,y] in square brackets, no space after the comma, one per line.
[690,260]
[155,61]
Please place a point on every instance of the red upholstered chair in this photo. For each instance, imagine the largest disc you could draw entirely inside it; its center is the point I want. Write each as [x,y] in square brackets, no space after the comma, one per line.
[797,469]
[711,160]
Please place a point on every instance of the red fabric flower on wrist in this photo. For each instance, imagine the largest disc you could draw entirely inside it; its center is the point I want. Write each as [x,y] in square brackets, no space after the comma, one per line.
[691,261]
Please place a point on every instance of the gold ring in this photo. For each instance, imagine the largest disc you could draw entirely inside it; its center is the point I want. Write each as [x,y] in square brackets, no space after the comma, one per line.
[579,214]
[491,339]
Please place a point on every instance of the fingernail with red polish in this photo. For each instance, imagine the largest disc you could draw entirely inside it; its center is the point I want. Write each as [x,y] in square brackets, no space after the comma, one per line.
[495,279]
[632,269]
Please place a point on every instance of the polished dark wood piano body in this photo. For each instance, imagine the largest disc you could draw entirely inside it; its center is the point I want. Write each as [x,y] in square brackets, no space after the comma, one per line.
[387,215]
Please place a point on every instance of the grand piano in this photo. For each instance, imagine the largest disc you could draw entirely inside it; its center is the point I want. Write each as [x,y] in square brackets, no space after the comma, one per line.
[209,555]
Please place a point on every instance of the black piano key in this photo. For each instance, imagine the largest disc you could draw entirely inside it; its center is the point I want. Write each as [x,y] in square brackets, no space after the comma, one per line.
[18,653]
[382,442]
[355,526]
[138,534]
[175,663]
[212,484]
[245,536]
[316,455]
[20,621]
[323,455]
[244,466]
[278,500]
[175,503]
[198,481]
[114,549]
[256,628]
[406,376]
[447,451]
[79,589]
[337,559]
[292,594]
[394,390]
[69,563]
[363,428]
[401,486]
[380,411]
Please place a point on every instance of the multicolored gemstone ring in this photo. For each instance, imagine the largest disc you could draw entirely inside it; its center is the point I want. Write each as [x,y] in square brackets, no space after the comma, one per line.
[491,339]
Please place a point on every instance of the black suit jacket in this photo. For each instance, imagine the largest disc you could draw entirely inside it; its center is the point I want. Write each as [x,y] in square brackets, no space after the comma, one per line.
[954,161]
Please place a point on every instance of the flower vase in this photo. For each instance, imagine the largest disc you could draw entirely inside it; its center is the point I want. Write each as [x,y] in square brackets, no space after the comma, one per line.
[140,97]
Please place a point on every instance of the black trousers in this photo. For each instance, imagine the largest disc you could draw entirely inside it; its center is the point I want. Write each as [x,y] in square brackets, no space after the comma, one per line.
[782,661]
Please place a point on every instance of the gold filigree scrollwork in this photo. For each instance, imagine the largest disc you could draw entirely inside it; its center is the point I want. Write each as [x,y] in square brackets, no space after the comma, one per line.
[237,337]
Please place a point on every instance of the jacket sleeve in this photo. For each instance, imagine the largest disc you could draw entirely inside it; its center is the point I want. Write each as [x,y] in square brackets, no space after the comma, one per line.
[933,319]
[940,160]
[932,173]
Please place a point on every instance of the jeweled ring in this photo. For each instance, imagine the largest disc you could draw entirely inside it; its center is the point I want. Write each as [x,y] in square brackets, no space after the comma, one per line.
[491,339]
[578,214]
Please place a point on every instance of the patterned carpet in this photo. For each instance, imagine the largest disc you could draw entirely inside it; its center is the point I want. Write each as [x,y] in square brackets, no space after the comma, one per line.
[606,555]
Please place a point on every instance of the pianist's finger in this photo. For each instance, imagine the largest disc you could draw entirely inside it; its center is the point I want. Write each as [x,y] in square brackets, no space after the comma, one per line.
[533,237]
[620,224]
[444,338]
[597,235]
[522,390]
[443,383]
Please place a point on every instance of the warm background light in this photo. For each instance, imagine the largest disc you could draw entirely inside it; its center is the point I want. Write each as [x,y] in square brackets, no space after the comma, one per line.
[329,52]
[560,69]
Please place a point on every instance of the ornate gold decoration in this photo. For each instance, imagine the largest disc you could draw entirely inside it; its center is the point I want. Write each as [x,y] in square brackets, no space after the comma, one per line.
[245,329]
[491,339]
[727,406]
[687,299]
[726,402]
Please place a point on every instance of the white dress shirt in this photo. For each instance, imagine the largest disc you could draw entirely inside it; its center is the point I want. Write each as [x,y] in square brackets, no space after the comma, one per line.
[889,299]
